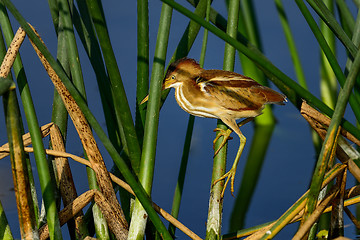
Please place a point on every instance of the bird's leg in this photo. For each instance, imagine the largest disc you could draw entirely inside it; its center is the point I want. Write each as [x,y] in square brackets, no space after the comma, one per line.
[230,175]
[226,134]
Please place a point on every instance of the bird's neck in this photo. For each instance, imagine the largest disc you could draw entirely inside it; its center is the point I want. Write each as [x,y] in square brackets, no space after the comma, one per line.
[191,99]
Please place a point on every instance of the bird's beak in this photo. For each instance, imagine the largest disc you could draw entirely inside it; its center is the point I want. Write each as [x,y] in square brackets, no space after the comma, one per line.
[167,84]
[145,99]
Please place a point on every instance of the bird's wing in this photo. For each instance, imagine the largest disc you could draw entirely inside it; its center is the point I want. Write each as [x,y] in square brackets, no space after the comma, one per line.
[235,91]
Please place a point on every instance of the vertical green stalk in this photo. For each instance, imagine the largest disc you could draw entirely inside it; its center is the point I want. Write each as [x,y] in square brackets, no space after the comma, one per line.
[7,30]
[190,33]
[142,65]
[328,91]
[4,225]
[354,99]
[46,183]
[182,173]
[188,37]
[5,85]
[19,163]
[27,221]
[186,149]
[85,29]
[59,114]
[346,18]
[291,44]
[331,138]
[129,140]
[67,55]
[296,60]
[138,221]
[329,18]
[213,230]
[249,28]
[328,83]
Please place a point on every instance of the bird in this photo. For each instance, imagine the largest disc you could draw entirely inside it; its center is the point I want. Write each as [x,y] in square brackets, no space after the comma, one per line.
[219,94]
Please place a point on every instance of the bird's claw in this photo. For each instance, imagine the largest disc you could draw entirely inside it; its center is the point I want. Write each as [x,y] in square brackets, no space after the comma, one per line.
[229,175]
[225,134]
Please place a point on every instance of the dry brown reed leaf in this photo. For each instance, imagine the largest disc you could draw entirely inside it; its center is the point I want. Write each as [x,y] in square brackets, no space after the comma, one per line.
[64,178]
[349,193]
[18,160]
[45,130]
[352,217]
[79,203]
[354,169]
[88,142]
[321,131]
[297,215]
[69,211]
[258,234]
[319,123]
[89,238]
[337,204]
[305,227]
[323,122]
[12,52]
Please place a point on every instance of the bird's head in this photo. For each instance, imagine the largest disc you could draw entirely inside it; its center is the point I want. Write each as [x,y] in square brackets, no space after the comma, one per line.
[182,70]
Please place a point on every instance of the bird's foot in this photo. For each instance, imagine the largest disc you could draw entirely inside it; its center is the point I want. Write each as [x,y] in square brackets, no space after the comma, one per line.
[230,175]
[225,134]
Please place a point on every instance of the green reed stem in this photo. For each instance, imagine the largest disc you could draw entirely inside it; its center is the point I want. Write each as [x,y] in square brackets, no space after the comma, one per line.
[85,29]
[187,39]
[354,99]
[46,183]
[27,221]
[328,83]
[248,26]
[346,18]
[190,34]
[6,85]
[19,163]
[189,131]
[4,225]
[291,44]
[331,138]
[328,92]
[214,223]
[138,222]
[128,138]
[67,54]
[330,20]
[142,85]
[7,30]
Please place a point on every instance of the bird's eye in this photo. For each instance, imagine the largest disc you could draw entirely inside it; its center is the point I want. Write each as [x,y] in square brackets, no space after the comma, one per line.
[173,77]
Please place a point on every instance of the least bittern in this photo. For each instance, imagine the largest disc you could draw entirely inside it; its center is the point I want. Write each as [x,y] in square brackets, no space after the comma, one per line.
[224,95]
